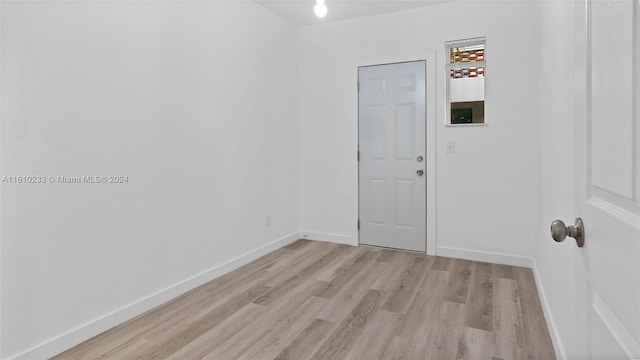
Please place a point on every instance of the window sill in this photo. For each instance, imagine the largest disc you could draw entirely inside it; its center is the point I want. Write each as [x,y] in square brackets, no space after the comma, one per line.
[464,125]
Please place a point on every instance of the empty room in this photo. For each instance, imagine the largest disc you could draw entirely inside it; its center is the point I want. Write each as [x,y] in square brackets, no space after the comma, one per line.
[320,179]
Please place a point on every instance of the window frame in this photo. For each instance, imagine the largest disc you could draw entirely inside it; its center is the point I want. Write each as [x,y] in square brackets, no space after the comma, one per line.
[482,40]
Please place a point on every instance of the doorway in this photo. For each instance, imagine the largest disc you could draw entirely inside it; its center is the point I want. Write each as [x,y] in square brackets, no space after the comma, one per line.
[392,155]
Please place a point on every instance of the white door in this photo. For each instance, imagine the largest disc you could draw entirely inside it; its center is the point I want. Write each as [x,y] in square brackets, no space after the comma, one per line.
[392,185]
[607,154]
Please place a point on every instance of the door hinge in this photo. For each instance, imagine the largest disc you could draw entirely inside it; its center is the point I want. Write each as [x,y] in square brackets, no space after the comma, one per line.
[358,224]
[358,156]
[358,86]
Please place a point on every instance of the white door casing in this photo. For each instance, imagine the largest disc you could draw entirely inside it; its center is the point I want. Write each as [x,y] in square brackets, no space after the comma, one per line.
[392,119]
[607,174]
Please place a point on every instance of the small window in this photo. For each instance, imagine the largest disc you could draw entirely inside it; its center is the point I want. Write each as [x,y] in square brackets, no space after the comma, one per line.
[465,72]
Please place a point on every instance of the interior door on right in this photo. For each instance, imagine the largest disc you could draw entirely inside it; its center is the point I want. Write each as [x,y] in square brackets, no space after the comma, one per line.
[608,173]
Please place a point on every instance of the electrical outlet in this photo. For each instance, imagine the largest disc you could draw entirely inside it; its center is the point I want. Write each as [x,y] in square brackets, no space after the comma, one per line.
[267,219]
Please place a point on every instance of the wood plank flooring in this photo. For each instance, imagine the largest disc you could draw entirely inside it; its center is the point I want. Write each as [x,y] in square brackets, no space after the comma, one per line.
[315,300]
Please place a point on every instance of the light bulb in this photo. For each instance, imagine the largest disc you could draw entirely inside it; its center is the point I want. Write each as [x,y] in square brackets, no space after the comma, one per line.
[320,9]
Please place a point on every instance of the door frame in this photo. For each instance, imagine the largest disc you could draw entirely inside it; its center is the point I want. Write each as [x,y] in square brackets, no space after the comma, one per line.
[429,57]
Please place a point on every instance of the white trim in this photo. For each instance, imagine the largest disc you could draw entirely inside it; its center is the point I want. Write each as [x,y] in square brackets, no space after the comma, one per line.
[486,256]
[75,336]
[1,97]
[548,315]
[429,56]
[467,124]
[448,66]
[84,332]
[466,42]
[326,237]
[514,260]
[616,328]
[616,212]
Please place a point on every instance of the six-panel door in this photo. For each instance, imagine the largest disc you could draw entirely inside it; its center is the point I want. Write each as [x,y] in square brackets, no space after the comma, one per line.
[391,139]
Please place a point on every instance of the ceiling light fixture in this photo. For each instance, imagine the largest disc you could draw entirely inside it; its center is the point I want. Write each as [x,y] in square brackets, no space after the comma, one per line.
[320,9]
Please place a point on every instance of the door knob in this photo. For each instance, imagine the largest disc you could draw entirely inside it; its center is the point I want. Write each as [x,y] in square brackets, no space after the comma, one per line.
[420,172]
[559,231]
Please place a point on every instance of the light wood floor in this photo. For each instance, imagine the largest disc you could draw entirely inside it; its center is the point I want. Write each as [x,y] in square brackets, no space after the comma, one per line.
[314,300]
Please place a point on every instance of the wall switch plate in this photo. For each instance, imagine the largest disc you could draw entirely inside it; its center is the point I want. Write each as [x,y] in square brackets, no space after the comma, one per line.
[451,147]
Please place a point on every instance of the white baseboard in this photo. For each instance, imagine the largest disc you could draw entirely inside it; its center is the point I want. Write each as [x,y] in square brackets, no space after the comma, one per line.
[551,324]
[84,332]
[485,256]
[75,336]
[514,260]
[334,238]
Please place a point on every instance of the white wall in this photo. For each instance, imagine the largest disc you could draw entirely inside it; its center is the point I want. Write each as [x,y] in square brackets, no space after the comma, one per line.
[487,200]
[194,101]
[558,264]
[198,104]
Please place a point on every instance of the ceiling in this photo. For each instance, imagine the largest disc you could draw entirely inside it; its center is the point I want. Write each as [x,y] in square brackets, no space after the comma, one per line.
[300,12]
